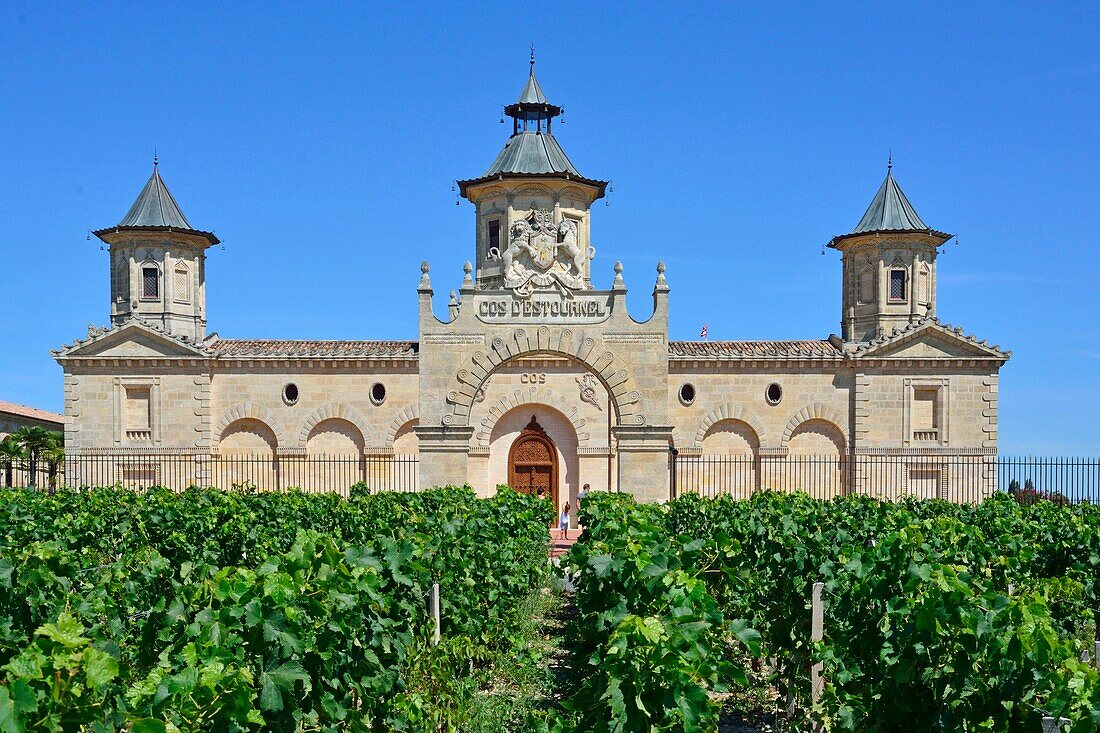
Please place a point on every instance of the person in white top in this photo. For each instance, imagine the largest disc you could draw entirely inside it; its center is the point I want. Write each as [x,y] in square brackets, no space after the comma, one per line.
[563,521]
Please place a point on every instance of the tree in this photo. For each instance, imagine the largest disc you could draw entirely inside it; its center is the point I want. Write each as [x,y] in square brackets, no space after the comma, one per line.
[33,440]
[54,455]
[11,453]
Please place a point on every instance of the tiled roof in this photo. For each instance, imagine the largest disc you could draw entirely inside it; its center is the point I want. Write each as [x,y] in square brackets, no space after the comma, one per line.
[32,413]
[318,349]
[752,349]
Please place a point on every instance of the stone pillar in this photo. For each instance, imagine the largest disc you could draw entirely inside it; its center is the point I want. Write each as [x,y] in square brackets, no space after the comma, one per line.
[643,460]
[444,455]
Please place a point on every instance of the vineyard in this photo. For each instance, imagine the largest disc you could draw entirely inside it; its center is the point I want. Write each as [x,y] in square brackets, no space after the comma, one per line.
[226,611]
[209,610]
[936,616]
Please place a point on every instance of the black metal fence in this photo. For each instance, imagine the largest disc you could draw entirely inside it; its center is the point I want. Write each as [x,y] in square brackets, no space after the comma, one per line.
[314,474]
[966,478]
[955,477]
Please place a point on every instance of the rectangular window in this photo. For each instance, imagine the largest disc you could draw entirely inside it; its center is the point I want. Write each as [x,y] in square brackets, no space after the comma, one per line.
[897,284]
[494,234]
[150,282]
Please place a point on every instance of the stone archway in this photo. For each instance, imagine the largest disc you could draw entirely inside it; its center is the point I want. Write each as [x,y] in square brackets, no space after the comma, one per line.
[608,368]
[557,434]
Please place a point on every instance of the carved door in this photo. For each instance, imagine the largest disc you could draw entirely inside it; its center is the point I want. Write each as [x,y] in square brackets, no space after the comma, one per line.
[533,463]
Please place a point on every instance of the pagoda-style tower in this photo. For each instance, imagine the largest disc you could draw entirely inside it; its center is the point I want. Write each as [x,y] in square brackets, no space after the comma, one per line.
[158,264]
[531,188]
[889,266]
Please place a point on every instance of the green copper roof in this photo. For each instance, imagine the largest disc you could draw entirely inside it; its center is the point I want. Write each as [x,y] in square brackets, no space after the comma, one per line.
[155,207]
[890,211]
[531,152]
[532,92]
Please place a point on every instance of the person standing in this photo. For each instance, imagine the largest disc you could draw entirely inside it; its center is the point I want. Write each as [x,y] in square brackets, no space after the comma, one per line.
[581,496]
[563,522]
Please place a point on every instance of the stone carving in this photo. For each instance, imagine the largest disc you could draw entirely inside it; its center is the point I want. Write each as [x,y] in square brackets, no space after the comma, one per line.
[587,384]
[541,255]
[479,396]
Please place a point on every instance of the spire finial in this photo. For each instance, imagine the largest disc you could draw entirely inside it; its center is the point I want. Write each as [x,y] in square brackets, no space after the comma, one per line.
[155,163]
[890,161]
[532,59]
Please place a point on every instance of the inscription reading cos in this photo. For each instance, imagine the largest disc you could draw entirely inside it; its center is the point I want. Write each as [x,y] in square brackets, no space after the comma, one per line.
[532,378]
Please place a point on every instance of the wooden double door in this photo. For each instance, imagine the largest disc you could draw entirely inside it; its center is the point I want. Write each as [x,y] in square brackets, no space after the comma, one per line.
[533,463]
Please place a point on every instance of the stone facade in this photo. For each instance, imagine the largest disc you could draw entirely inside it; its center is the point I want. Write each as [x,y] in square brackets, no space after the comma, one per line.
[534,338]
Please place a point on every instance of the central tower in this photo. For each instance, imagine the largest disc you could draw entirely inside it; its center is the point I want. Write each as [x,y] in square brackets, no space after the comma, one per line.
[533,206]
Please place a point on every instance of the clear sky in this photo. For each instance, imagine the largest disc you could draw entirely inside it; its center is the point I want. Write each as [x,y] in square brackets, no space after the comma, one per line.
[320,141]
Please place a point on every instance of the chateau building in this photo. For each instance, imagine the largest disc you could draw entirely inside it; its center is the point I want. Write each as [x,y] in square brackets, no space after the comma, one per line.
[539,377]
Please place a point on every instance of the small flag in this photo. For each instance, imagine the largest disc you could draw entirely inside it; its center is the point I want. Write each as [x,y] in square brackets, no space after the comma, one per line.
[703,333]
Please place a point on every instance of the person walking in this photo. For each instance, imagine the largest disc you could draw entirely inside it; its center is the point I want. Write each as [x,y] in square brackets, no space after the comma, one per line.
[563,522]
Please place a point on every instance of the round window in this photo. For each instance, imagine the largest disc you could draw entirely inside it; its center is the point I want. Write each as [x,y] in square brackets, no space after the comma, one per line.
[290,393]
[773,394]
[687,394]
[378,393]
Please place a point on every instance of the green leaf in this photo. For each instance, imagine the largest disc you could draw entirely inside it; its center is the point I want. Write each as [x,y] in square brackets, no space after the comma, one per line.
[67,631]
[148,725]
[748,636]
[8,723]
[100,667]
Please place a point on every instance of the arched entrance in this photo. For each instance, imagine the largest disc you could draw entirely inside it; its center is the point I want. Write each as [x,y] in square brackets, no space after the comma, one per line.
[533,463]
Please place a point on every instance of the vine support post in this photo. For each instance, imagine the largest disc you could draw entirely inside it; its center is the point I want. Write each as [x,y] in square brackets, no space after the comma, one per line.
[434,607]
[817,633]
[1054,725]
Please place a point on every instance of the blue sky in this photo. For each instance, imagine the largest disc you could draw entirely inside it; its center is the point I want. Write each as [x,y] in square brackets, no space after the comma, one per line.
[320,144]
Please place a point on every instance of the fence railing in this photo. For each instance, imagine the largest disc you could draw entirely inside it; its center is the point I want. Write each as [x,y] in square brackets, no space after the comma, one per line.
[955,477]
[314,474]
[965,478]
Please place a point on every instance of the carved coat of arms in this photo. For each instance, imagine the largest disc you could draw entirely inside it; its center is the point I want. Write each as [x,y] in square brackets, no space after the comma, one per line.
[541,255]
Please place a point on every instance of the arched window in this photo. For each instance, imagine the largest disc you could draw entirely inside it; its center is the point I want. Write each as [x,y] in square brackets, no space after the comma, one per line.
[181,283]
[121,282]
[150,280]
[899,282]
[866,285]
[925,284]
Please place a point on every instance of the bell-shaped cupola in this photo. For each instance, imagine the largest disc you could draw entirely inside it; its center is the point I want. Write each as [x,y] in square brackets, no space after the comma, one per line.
[531,185]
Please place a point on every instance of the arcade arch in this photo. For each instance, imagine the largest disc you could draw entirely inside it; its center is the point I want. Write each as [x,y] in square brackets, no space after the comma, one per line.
[541,428]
